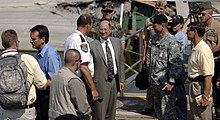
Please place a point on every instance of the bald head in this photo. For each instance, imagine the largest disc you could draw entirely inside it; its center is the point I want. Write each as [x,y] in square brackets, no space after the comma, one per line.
[72,56]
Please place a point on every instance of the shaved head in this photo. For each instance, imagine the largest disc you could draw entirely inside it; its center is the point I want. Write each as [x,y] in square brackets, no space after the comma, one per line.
[72,56]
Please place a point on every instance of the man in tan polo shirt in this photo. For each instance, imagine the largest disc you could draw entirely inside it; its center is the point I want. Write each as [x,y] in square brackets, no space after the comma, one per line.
[200,73]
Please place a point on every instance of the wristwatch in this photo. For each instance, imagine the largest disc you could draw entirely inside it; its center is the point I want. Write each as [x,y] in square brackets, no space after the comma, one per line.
[206,97]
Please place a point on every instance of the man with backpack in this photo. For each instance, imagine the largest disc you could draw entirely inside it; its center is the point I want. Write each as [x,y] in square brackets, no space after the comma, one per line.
[19,74]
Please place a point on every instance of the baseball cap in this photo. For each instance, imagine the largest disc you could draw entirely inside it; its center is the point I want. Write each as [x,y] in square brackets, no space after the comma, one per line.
[205,6]
[159,19]
[178,19]
[161,3]
[108,5]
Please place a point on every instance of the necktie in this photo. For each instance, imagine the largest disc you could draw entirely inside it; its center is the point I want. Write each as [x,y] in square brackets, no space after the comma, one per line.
[109,62]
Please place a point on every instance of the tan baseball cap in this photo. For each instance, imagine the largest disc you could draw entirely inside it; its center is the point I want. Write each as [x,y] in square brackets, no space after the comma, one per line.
[161,3]
[108,5]
[205,6]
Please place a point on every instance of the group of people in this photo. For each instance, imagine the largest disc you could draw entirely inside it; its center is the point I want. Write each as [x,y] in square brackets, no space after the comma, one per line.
[86,86]
[163,56]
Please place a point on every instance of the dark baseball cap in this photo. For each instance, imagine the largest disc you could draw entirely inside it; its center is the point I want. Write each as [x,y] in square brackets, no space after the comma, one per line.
[159,19]
[178,19]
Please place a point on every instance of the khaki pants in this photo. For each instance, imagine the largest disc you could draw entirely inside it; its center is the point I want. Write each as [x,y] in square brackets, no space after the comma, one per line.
[198,112]
[18,114]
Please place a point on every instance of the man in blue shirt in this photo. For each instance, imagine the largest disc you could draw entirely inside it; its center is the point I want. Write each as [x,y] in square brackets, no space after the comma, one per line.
[50,63]
[178,22]
[181,101]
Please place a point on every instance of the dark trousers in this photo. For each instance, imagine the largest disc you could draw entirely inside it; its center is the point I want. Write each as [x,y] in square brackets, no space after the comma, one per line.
[42,104]
[216,92]
[181,102]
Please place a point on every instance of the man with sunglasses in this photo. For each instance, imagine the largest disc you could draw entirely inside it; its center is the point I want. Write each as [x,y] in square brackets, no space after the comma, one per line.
[160,8]
[200,73]
[68,92]
[212,38]
[107,14]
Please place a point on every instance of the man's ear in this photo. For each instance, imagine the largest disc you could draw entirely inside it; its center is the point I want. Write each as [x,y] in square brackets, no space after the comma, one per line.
[43,40]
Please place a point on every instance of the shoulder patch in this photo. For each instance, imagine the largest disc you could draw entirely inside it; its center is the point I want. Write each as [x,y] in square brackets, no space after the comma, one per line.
[84,48]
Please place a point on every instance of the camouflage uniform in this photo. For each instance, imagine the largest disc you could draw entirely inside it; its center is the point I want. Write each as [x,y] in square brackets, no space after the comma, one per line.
[165,64]
[149,32]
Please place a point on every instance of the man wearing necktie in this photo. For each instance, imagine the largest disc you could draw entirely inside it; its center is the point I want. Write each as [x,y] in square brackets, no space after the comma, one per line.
[109,71]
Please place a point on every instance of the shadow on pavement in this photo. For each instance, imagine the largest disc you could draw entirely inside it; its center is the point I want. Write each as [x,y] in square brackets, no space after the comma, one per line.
[132,104]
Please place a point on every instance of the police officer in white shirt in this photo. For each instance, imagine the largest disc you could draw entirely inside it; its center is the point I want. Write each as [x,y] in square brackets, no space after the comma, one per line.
[78,41]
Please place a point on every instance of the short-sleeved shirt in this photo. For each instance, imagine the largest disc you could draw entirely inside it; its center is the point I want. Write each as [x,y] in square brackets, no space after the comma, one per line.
[182,38]
[35,76]
[212,34]
[201,61]
[49,60]
[74,41]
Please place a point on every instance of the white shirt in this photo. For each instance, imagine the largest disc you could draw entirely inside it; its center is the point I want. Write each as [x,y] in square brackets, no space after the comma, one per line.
[112,52]
[201,61]
[74,42]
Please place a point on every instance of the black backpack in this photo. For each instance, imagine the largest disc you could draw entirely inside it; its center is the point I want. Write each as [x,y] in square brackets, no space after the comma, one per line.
[14,88]
[141,80]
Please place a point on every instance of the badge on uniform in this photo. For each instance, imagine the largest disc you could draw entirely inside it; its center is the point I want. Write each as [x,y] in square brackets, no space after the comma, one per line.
[84,48]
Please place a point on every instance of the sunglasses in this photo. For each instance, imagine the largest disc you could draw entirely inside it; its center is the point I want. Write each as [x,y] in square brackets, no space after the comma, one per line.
[79,60]
[107,11]
[203,14]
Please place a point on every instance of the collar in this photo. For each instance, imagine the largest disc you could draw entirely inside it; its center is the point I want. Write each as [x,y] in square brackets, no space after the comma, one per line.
[43,51]
[77,31]
[102,41]
[198,45]
[210,25]
[9,52]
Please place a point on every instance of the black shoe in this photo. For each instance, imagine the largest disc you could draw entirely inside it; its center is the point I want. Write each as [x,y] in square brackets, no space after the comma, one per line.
[147,111]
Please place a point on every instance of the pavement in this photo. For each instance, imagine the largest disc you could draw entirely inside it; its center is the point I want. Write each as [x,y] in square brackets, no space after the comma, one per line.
[130,108]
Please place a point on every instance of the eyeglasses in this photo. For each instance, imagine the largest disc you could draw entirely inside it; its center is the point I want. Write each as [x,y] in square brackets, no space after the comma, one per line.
[203,14]
[79,60]
[107,11]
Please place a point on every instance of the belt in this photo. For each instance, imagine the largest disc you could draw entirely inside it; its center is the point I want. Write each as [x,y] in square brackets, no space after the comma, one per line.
[197,79]
[29,106]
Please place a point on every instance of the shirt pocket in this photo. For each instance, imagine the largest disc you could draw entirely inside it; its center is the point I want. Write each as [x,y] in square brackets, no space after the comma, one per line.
[162,56]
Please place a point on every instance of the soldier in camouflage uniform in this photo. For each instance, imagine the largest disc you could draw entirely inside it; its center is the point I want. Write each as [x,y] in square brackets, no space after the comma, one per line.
[160,8]
[166,66]
[212,38]
[107,12]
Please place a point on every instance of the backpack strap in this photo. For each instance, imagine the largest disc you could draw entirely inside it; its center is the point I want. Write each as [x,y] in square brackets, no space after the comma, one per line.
[18,57]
